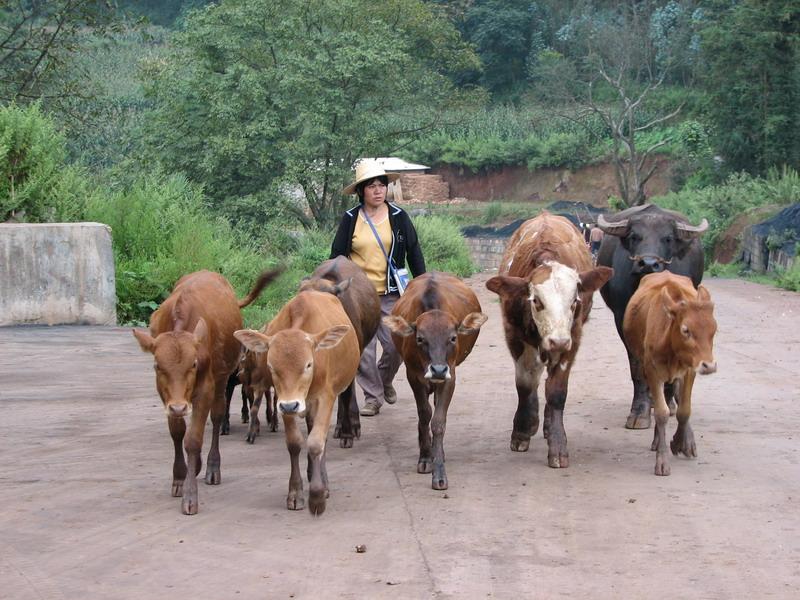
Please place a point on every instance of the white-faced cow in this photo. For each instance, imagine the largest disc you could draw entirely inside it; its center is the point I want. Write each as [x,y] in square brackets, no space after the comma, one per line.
[669,326]
[434,326]
[545,286]
[191,340]
[312,355]
[642,240]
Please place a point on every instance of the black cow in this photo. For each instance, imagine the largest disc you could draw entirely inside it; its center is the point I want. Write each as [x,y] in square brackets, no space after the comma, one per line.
[641,240]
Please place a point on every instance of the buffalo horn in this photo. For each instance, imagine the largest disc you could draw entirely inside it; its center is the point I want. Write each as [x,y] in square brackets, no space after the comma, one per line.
[688,232]
[618,228]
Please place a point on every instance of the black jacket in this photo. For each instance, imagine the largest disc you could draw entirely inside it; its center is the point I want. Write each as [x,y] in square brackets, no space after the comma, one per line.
[404,241]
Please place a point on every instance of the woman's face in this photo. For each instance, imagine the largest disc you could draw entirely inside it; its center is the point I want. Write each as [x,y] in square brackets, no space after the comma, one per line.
[374,193]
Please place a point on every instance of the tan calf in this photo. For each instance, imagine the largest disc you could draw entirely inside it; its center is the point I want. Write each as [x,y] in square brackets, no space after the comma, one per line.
[191,340]
[312,355]
[669,327]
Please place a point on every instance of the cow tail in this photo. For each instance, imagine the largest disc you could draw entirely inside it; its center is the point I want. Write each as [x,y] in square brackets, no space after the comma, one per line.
[264,279]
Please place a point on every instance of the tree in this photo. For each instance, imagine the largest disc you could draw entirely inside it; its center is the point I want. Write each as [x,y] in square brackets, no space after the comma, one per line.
[267,97]
[38,39]
[752,50]
[622,69]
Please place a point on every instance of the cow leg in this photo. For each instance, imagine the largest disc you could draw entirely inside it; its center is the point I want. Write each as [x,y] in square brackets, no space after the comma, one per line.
[247,402]
[659,436]
[344,426]
[683,440]
[255,423]
[442,396]
[639,417]
[230,385]
[294,441]
[272,409]
[424,413]
[527,372]
[193,444]
[214,461]
[555,390]
[177,429]
[317,481]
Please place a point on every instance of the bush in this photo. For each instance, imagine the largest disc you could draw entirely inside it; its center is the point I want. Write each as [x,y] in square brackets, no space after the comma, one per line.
[36,184]
[444,246]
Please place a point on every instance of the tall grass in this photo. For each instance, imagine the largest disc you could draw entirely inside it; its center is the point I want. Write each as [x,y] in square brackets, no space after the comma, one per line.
[443,246]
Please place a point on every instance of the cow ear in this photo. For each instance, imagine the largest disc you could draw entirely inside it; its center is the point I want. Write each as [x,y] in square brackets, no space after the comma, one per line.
[472,322]
[200,330]
[342,286]
[330,337]
[702,294]
[399,326]
[671,306]
[505,285]
[593,280]
[146,341]
[253,340]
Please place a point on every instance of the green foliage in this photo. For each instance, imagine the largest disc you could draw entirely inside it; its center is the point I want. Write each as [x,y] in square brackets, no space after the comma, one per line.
[284,95]
[443,246]
[161,231]
[723,203]
[752,49]
[790,278]
[35,183]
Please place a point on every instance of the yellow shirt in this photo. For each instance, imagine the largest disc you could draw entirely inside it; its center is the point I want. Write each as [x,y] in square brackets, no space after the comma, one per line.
[366,252]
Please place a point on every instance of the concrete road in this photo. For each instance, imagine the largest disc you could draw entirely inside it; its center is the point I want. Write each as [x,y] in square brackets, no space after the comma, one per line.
[85,508]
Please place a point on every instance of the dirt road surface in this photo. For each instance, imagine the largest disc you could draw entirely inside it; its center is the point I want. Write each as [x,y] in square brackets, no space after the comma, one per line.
[85,508]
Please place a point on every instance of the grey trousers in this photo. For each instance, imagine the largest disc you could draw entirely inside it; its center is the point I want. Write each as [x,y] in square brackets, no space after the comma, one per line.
[374,375]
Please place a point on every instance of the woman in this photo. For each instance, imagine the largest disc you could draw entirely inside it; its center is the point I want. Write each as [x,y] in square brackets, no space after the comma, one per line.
[356,240]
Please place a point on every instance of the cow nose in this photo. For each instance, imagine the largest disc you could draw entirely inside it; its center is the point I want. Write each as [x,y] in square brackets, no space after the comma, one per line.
[560,344]
[650,264]
[289,408]
[178,410]
[707,368]
[439,371]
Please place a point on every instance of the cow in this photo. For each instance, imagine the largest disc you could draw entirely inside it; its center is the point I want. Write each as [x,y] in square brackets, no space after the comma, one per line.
[641,240]
[257,384]
[669,326]
[347,281]
[191,340]
[434,326]
[312,355]
[233,381]
[546,283]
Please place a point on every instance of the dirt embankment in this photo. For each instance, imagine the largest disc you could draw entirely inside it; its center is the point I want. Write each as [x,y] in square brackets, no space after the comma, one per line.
[593,183]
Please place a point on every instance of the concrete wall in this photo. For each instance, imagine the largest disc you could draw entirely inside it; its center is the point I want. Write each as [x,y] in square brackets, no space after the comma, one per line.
[487,252]
[57,273]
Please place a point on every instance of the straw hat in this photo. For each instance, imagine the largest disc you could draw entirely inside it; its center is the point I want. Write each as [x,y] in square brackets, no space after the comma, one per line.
[367,169]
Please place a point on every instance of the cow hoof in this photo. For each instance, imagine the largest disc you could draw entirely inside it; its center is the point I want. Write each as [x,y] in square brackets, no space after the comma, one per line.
[295,502]
[518,445]
[213,477]
[558,461]
[251,437]
[636,421]
[425,466]
[225,429]
[316,504]
[189,506]
[439,483]
[662,466]
[245,417]
[684,445]
[274,426]
[346,442]
[177,489]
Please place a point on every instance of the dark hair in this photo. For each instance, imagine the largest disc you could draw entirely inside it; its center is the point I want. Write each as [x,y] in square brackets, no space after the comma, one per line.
[360,187]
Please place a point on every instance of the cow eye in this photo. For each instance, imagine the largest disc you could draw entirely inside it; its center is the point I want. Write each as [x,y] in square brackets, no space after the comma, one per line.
[685,331]
[537,304]
[668,239]
[308,366]
[194,364]
[453,339]
[420,340]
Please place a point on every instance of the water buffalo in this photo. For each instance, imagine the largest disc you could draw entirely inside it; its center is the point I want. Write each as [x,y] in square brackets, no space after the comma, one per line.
[638,241]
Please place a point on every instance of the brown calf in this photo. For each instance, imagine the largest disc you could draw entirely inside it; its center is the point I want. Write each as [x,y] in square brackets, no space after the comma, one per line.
[312,354]
[191,339]
[344,279]
[669,326]
[434,326]
[545,285]
[257,384]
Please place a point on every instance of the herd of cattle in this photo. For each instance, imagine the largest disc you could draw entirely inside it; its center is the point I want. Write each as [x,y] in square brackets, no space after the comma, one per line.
[649,271]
